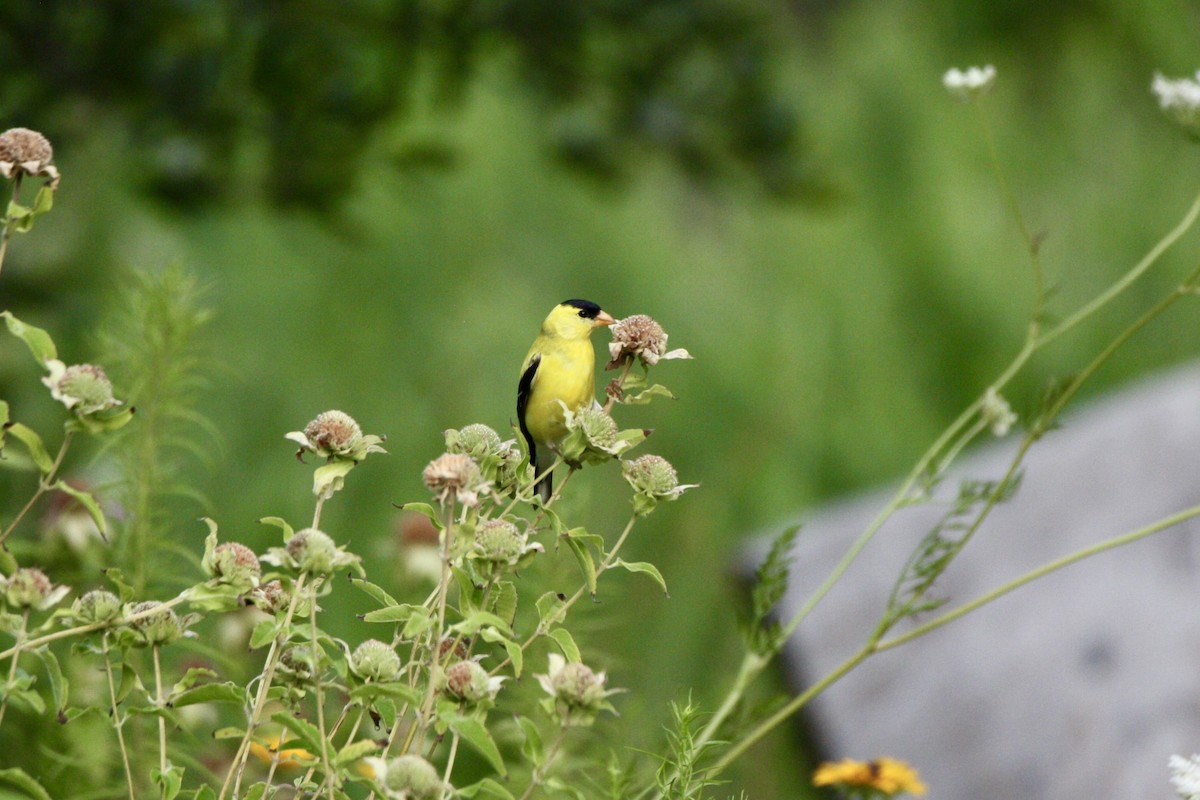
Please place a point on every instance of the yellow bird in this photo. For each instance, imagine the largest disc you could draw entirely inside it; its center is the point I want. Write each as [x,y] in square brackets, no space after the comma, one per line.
[560,366]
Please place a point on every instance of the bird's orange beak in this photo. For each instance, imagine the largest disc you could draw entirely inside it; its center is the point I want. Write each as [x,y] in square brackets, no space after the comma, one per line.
[604,318]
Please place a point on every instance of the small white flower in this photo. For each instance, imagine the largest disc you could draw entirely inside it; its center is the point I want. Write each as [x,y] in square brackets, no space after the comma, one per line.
[1185,776]
[1179,99]
[997,413]
[972,83]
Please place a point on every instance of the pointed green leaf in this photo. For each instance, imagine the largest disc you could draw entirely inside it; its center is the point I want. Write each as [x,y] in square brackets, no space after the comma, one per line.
[354,751]
[193,676]
[370,691]
[645,568]
[550,609]
[532,748]
[227,692]
[477,620]
[281,523]
[33,443]
[328,479]
[169,782]
[58,683]
[586,563]
[307,733]
[426,510]
[89,503]
[505,604]
[486,788]
[376,593]
[38,341]
[566,643]
[473,732]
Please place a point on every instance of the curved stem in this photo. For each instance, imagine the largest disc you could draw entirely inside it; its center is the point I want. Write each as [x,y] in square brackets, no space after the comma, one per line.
[12,668]
[328,781]
[118,720]
[8,221]
[44,485]
[162,721]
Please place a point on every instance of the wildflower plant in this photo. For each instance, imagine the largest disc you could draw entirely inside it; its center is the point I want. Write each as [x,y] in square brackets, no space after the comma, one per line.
[491,657]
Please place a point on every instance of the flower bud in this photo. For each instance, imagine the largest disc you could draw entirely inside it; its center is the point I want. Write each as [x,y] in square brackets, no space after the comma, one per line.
[27,587]
[577,685]
[158,628]
[95,606]
[455,475]
[499,541]
[235,564]
[375,661]
[476,441]
[469,682]
[313,551]
[271,597]
[82,388]
[651,475]
[412,778]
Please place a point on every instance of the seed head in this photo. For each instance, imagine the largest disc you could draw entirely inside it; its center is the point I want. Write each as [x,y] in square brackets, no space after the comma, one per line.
[296,664]
[375,661]
[469,682]
[28,587]
[476,441]
[455,475]
[313,551]
[652,475]
[410,777]
[235,564]
[82,388]
[640,336]
[499,541]
[459,645]
[271,597]
[95,606]
[576,692]
[158,628]
[335,435]
[26,152]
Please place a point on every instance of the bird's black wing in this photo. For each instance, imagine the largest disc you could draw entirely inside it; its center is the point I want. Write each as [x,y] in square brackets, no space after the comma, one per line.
[524,390]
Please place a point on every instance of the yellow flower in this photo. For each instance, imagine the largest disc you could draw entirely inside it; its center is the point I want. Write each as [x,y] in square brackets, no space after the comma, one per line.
[887,776]
[290,758]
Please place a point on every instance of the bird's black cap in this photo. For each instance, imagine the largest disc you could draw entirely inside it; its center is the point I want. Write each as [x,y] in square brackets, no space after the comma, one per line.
[587,309]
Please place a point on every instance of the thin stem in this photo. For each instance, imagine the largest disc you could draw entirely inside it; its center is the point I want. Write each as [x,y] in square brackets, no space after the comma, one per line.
[44,485]
[450,759]
[234,776]
[1034,574]
[539,772]
[162,721]
[620,385]
[118,720]
[426,711]
[8,221]
[12,668]
[320,696]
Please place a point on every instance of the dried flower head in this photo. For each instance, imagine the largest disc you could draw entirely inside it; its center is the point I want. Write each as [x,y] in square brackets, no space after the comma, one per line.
[374,660]
[98,605]
[1179,99]
[335,435]
[28,587]
[969,84]
[455,475]
[26,152]
[234,564]
[159,627]
[469,682]
[448,642]
[884,776]
[271,597]
[641,337]
[410,777]
[82,388]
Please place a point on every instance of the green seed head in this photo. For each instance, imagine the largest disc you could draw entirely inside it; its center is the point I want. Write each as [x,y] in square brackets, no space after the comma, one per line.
[28,587]
[313,551]
[97,605]
[159,628]
[413,778]
[373,660]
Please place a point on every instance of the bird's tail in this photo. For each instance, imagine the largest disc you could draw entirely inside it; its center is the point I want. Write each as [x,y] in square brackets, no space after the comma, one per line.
[540,458]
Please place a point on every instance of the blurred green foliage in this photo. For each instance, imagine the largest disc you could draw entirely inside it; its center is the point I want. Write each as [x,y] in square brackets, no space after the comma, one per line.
[393,226]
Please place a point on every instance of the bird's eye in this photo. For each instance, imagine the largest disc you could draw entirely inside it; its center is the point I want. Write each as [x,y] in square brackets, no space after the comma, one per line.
[583,313]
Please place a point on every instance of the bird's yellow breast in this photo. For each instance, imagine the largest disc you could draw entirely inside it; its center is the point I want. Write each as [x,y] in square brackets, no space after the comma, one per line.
[568,373]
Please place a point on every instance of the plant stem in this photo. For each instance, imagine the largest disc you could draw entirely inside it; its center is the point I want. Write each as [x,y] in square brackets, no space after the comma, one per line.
[45,484]
[8,227]
[162,721]
[450,759]
[426,712]
[539,772]
[12,668]
[118,720]
[328,781]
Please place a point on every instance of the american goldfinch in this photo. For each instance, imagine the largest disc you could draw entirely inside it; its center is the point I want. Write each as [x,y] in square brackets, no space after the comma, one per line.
[560,367]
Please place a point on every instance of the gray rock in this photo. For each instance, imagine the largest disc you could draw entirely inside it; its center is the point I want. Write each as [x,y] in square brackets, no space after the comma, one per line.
[1079,685]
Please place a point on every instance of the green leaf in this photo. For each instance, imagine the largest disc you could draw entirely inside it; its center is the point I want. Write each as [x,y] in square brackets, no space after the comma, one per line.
[566,642]
[170,781]
[229,733]
[478,619]
[532,747]
[89,503]
[472,731]
[550,607]
[488,787]
[282,524]
[515,654]
[38,341]
[426,510]
[58,683]
[264,633]
[646,395]
[401,612]
[370,691]
[354,751]
[505,603]
[15,776]
[307,733]
[205,793]
[118,580]
[645,568]
[328,479]
[43,201]
[33,443]
[4,420]
[376,593]
[227,692]
[586,563]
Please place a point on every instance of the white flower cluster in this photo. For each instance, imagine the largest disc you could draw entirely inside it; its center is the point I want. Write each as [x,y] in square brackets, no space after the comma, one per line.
[1185,776]
[969,84]
[1179,99]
